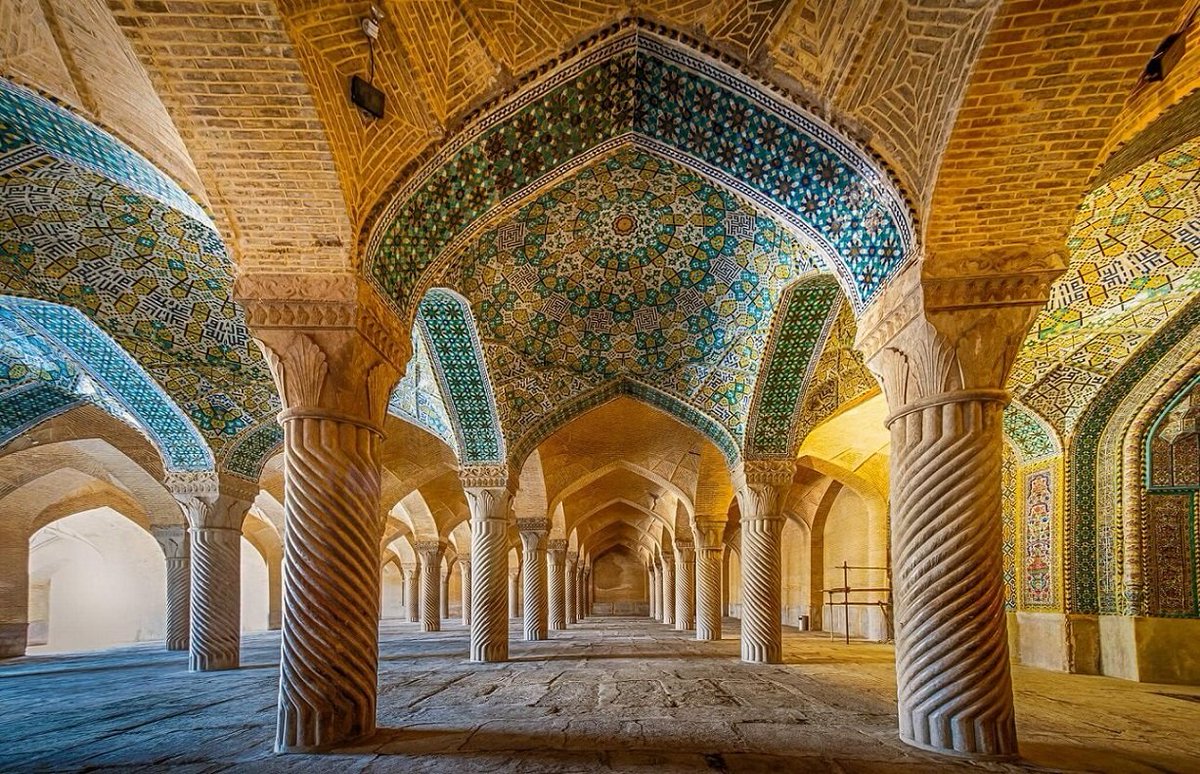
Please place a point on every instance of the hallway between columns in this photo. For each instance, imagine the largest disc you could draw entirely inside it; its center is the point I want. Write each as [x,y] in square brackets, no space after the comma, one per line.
[609,694]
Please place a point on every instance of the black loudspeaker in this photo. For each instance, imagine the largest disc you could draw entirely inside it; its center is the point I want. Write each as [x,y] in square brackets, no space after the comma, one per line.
[366,97]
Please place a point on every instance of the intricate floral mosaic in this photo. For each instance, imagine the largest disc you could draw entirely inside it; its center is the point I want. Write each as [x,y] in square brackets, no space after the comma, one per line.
[1008,530]
[1133,265]
[1172,550]
[155,279]
[462,374]
[46,345]
[640,89]
[417,398]
[636,267]
[806,314]
[1038,574]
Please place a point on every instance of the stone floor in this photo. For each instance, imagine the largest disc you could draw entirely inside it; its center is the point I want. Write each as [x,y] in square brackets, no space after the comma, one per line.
[611,695]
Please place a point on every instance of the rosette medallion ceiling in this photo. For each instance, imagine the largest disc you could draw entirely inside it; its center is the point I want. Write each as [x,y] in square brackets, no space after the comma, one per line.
[629,222]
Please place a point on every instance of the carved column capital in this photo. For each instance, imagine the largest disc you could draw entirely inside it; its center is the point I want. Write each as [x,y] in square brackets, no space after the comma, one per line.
[709,532]
[172,539]
[557,549]
[538,526]
[430,550]
[761,486]
[464,561]
[931,334]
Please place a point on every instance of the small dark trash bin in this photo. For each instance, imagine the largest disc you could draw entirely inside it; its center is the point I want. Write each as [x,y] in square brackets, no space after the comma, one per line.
[803,623]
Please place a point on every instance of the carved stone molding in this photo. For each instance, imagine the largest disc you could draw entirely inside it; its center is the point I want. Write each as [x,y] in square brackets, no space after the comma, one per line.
[485,477]
[172,539]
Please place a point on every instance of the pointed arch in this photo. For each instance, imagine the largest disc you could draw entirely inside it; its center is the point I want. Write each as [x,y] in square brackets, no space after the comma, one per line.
[595,475]
[802,324]
[445,318]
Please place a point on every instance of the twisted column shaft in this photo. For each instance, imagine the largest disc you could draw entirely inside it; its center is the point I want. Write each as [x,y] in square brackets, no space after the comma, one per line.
[652,581]
[444,596]
[761,486]
[412,592]
[489,500]
[533,567]
[572,590]
[331,572]
[668,589]
[685,587]
[952,669]
[173,540]
[514,594]
[556,556]
[216,604]
[710,553]
[581,593]
[431,584]
[464,573]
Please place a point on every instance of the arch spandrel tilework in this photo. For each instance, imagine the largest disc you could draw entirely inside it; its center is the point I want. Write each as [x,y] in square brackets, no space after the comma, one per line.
[90,224]
[632,90]
[457,357]
[1032,438]
[802,326]
[57,349]
[1134,249]
[418,398]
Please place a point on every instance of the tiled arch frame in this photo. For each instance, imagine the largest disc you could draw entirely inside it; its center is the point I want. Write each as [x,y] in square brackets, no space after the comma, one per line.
[54,359]
[445,319]
[1092,570]
[646,87]
[81,206]
[806,314]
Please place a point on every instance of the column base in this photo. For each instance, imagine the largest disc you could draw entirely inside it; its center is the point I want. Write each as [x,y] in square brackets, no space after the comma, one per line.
[755,655]
[966,755]
[177,645]
[323,747]
[198,663]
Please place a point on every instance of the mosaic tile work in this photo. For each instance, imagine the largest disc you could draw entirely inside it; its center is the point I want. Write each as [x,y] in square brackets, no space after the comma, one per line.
[28,119]
[807,312]
[840,375]
[1133,265]
[457,357]
[417,398]
[155,280]
[1029,434]
[641,89]
[254,448]
[50,345]
[1008,521]
[1038,554]
[1171,557]
[1092,563]
[634,267]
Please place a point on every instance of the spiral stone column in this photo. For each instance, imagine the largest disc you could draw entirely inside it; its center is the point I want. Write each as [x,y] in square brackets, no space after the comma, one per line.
[710,554]
[444,596]
[652,585]
[489,496]
[214,510]
[761,487]
[173,540]
[412,591]
[431,552]
[556,561]
[582,592]
[335,352]
[941,344]
[464,574]
[572,588]
[514,593]
[685,586]
[533,545]
[668,588]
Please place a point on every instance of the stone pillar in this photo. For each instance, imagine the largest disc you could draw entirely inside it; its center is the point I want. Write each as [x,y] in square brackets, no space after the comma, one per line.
[431,552]
[710,557]
[489,496]
[464,574]
[582,608]
[761,486]
[275,594]
[14,585]
[685,586]
[214,511]
[668,588]
[941,346]
[173,540]
[444,597]
[572,588]
[514,593]
[652,571]
[556,566]
[412,592]
[335,352]
[533,545]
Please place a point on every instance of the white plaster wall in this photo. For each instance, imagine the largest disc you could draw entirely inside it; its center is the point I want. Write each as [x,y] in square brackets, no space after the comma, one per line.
[255,607]
[106,578]
[393,593]
[795,556]
[848,539]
